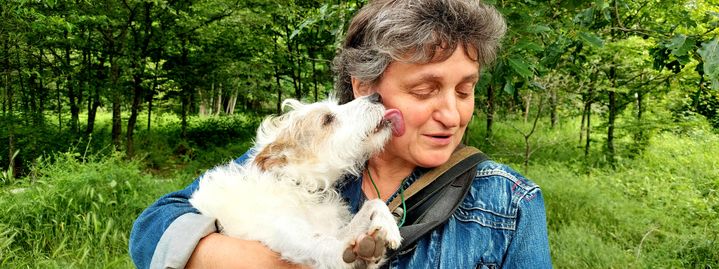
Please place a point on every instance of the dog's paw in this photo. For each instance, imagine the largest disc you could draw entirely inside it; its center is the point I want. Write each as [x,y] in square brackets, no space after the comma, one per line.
[383,224]
[366,248]
[393,237]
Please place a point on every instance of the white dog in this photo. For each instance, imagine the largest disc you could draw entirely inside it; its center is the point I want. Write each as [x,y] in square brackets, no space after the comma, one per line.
[284,195]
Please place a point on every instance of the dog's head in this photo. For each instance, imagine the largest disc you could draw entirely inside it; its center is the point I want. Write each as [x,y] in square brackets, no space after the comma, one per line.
[317,143]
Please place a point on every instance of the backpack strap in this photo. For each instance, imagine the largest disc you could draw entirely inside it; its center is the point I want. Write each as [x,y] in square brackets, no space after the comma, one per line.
[432,199]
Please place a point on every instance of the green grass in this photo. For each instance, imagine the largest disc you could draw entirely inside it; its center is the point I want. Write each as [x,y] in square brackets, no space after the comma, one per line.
[657,209]
[74,213]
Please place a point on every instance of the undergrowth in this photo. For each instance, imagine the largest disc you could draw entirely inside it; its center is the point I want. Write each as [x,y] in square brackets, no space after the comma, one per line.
[657,209]
[74,213]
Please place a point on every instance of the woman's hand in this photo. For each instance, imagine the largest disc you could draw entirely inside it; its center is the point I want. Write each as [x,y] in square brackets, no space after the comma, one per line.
[221,251]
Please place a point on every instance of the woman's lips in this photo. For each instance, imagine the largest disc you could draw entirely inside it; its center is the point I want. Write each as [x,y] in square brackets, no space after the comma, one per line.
[440,139]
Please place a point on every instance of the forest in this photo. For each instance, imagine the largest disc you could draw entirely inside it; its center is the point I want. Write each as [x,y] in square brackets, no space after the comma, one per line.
[611,106]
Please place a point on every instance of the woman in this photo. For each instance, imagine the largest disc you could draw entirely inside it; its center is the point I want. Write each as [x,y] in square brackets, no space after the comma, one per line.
[423,57]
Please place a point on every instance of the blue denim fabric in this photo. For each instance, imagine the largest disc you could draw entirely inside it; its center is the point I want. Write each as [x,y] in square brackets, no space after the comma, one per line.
[500,224]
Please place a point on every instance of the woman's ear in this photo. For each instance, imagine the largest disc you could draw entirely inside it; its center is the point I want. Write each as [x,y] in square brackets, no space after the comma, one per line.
[359,88]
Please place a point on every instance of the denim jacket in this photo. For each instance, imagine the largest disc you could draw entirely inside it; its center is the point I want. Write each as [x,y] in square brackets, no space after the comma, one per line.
[501,223]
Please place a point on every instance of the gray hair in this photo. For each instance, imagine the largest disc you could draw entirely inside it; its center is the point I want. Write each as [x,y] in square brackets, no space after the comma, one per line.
[415,31]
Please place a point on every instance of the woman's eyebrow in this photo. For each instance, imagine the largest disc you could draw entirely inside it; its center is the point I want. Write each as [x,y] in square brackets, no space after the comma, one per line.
[421,79]
[471,78]
[433,78]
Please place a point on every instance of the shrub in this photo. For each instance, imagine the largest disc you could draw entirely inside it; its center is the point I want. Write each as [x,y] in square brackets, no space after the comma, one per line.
[77,213]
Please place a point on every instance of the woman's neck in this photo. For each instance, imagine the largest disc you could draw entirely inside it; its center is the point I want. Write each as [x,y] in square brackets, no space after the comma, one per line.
[387,172]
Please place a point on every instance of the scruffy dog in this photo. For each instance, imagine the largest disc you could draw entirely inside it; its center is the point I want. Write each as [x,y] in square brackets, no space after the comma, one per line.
[284,195]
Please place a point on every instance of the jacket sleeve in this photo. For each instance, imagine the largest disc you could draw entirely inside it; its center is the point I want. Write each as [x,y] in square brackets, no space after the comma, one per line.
[529,247]
[167,232]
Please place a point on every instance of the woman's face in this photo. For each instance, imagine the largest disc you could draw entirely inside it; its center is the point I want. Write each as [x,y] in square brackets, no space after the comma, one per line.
[436,100]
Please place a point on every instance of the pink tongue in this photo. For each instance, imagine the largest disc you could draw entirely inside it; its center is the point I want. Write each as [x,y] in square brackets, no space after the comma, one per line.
[395,117]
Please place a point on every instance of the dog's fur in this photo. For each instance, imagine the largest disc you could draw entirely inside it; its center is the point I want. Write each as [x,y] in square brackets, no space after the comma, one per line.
[284,195]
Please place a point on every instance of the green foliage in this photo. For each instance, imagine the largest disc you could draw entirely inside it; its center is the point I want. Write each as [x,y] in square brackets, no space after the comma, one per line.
[9,174]
[218,131]
[198,61]
[74,212]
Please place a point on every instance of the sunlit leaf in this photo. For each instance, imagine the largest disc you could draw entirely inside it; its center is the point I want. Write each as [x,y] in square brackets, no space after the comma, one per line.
[592,39]
[710,55]
[540,28]
[509,88]
[521,67]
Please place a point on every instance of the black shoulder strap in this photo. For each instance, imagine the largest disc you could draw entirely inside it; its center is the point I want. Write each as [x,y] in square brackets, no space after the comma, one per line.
[432,205]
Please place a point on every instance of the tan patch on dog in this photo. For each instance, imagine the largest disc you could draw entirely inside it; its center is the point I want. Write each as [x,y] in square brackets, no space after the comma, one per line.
[294,144]
[271,156]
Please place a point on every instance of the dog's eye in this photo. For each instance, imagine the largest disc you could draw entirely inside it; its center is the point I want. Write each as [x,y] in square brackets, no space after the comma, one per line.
[327,119]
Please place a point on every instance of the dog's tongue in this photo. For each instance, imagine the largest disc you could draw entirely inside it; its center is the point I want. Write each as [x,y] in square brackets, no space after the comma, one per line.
[395,117]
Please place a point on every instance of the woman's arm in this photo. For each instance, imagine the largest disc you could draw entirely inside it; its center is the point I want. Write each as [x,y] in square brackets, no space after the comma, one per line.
[172,234]
[167,231]
[221,251]
[530,245]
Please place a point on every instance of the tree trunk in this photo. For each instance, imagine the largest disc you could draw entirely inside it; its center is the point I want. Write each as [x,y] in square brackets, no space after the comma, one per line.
[610,125]
[116,101]
[33,91]
[588,109]
[584,117]
[41,92]
[231,103]
[612,95]
[553,107]
[10,113]
[203,103]
[640,112]
[279,91]
[184,90]
[6,79]
[150,97]
[527,105]
[21,82]
[137,95]
[95,103]
[295,61]
[311,53]
[72,95]
[183,114]
[277,80]
[490,112]
[59,106]
[218,99]
[527,136]
[151,94]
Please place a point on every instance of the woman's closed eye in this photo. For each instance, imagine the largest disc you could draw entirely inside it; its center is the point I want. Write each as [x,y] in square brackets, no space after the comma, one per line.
[465,90]
[424,92]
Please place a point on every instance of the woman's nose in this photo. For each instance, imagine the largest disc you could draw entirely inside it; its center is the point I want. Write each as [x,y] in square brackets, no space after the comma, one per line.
[446,111]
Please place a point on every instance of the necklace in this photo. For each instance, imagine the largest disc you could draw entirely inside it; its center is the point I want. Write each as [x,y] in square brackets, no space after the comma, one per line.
[401,194]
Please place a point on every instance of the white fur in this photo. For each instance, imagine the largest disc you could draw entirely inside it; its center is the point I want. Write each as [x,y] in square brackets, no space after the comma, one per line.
[284,195]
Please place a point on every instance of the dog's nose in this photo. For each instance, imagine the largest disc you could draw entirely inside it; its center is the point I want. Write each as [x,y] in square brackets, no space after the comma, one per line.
[375,98]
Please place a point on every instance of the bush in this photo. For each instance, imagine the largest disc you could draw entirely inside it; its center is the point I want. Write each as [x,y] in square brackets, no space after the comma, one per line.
[76,212]
[218,131]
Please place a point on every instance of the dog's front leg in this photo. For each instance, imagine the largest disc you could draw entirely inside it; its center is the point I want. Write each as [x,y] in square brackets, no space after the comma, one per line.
[370,232]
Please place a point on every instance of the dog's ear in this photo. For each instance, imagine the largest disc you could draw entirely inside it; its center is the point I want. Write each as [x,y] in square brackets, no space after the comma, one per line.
[271,156]
[291,104]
